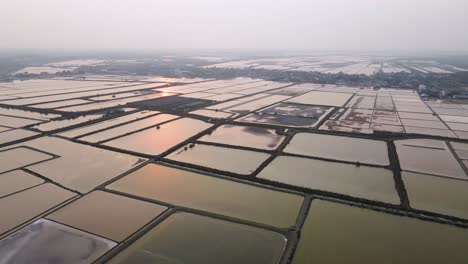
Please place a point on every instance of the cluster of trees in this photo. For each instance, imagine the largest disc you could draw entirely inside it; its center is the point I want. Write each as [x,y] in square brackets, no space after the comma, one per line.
[178,68]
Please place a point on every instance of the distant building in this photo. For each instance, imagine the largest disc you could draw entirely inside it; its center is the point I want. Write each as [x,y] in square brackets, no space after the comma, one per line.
[461,95]
[442,94]
[422,89]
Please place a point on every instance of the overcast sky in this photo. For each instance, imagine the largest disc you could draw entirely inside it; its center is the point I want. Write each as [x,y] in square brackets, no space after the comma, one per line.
[236,24]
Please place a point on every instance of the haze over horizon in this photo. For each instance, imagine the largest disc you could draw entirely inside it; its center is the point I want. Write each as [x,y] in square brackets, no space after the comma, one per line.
[241,24]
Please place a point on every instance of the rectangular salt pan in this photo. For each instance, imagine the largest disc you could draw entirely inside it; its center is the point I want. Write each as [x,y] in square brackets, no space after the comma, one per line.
[211,194]
[80,167]
[238,161]
[48,242]
[337,233]
[188,238]
[18,157]
[25,205]
[339,148]
[246,136]
[358,181]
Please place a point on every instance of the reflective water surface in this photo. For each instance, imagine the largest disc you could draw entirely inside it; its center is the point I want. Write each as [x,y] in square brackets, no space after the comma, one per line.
[17,180]
[127,128]
[105,124]
[336,233]
[358,181]
[109,215]
[339,148]
[80,167]
[23,206]
[59,124]
[458,126]
[436,194]
[459,146]
[212,113]
[14,135]
[413,108]
[27,114]
[246,136]
[298,110]
[281,120]
[18,157]
[322,98]
[61,104]
[419,116]
[225,159]
[428,160]
[424,123]
[17,122]
[430,131]
[183,238]
[156,140]
[207,193]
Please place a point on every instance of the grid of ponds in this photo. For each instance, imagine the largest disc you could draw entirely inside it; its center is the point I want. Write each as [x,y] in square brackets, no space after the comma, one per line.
[160,170]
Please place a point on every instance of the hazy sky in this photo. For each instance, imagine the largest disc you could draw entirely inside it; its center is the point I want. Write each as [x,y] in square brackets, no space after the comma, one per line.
[228,24]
